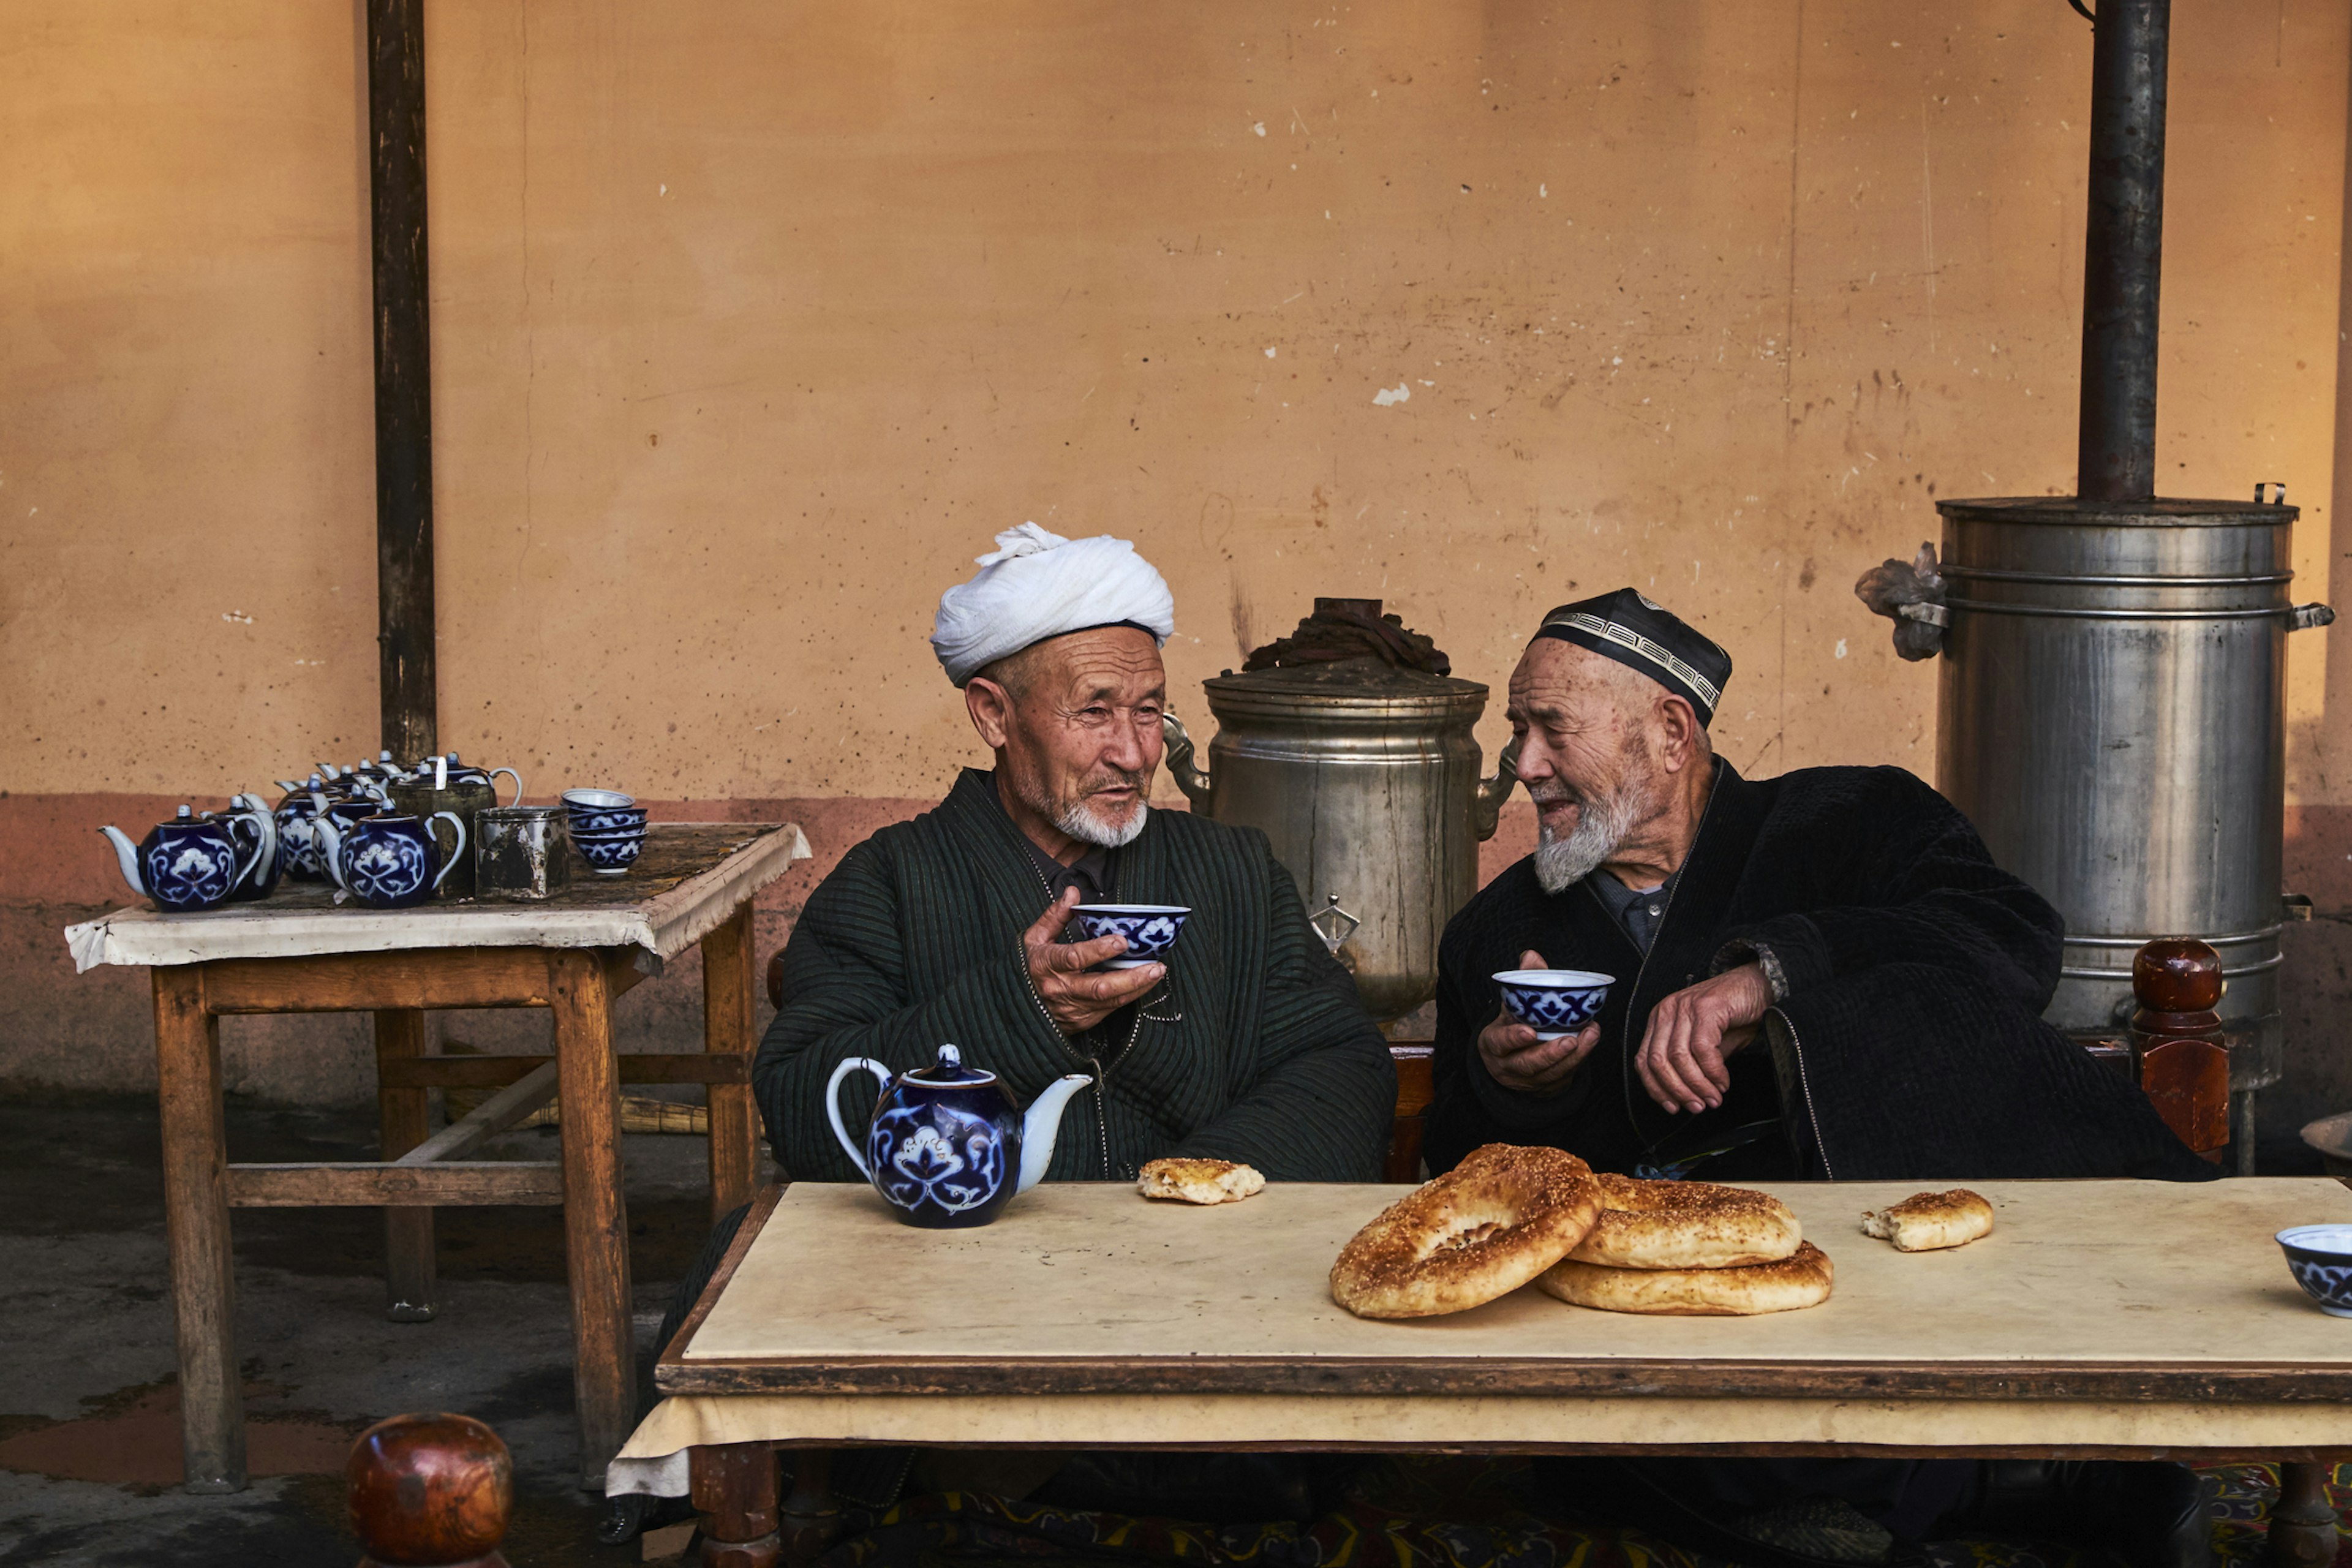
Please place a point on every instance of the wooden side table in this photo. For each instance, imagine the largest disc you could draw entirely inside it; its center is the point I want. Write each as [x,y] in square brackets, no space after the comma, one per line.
[298,952]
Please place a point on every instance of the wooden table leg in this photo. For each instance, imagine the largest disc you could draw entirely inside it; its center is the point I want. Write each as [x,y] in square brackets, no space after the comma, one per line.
[195,1209]
[811,1517]
[596,1215]
[2303,1521]
[734,1489]
[411,1293]
[727,1026]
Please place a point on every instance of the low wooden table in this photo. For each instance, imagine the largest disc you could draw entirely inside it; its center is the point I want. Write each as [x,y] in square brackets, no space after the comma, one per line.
[297,952]
[2129,1320]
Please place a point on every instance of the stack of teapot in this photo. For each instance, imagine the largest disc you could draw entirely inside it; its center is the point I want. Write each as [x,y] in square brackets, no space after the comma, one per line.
[389,836]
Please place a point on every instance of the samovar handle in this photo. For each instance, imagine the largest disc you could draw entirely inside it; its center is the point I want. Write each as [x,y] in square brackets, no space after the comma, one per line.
[1188,778]
[1486,810]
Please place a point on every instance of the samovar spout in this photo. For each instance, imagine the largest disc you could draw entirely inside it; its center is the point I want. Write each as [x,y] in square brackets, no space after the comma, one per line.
[1486,810]
[1189,777]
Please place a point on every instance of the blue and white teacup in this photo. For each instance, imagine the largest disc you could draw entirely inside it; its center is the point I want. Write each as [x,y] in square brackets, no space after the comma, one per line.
[2320,1258]
[610,854]
[597,800]
[1150,928]
[1554,1002]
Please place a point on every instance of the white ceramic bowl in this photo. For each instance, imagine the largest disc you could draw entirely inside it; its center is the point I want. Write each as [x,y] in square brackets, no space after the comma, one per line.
[591,799]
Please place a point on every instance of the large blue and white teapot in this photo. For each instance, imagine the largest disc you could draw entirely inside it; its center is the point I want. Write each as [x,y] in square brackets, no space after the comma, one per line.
[192,862]
[948,1146]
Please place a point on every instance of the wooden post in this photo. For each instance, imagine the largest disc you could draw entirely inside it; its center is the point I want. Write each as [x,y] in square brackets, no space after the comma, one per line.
[734,1489]
[196,1216]
[403,391]
[2303,1522]
[411,1292]
[595,1217]
[429,1489]
[727,1027]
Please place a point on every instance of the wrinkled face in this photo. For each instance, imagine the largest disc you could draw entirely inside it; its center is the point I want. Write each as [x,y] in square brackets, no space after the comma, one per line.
[1588,740]
[1077,728]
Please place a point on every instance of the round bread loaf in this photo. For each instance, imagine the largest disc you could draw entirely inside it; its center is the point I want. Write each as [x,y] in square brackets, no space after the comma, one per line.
[1187,1181]
[1802,1280]
[1687,1225]
[1926,1222]
[1483,1229]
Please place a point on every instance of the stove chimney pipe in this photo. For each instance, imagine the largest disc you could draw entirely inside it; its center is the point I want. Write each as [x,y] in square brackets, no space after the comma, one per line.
[2123,251]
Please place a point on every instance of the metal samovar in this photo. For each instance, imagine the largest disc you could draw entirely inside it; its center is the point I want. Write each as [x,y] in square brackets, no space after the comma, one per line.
[1365,777]
[2112,707]
[2113,719]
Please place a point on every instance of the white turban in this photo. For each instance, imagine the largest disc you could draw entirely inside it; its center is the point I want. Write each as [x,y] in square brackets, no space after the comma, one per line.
[1037,585]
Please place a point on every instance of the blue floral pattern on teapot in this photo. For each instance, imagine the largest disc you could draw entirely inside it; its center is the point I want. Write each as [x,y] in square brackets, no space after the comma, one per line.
[947,1145]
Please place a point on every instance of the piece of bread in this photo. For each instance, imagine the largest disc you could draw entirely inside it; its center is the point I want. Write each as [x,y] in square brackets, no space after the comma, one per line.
[1483,1229]
[1687,1225]
[1802,1280]
[1926,1221]
[1200,1180]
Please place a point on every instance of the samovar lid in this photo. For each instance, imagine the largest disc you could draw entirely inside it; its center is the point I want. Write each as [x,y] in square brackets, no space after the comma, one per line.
[1362,677]
[1347,651]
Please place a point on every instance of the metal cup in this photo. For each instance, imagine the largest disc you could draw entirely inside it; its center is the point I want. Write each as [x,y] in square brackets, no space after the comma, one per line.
[520,851]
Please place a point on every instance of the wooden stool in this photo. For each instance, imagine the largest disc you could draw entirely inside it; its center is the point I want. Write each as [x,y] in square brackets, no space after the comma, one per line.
[430,1491]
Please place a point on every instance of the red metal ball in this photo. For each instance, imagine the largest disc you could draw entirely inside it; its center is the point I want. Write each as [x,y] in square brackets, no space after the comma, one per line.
[426,1490]
[2177,974]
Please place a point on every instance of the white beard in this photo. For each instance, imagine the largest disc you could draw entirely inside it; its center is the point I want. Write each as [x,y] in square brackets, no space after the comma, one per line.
[1081,822]
[1601,826]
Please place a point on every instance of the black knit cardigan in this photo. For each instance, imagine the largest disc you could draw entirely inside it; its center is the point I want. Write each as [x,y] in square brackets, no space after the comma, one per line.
[1255,1048]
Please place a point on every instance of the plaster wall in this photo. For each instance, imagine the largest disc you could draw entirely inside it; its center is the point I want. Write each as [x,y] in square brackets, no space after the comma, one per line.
[752,322]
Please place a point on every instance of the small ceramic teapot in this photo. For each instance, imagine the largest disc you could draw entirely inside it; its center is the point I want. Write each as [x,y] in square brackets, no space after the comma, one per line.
[255,828]
[386,862]
[463,776]
[948,1146]
[295,809]
[187,863]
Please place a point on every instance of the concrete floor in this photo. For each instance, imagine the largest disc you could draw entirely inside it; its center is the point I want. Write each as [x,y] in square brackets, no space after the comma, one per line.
[90,1460]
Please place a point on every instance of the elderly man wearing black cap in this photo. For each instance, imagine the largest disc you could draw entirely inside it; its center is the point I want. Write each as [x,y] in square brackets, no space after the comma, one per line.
[1818,975]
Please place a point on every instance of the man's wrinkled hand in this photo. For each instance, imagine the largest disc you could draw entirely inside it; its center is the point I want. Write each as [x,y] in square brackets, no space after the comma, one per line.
[1516,1059]
[1691,1033]
[1075,1000]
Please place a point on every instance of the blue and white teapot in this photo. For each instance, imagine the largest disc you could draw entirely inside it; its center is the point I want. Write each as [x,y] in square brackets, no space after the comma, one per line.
[188,863]
[948,1146]
[385,861]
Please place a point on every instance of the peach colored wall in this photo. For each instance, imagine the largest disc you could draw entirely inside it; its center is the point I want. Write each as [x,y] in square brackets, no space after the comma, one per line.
[752,322]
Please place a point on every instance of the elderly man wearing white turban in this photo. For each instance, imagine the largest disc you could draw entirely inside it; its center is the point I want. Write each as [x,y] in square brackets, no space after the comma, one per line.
[1247,1044]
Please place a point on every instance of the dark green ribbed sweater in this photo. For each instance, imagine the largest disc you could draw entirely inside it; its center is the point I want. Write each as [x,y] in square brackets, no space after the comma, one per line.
[1256,1048]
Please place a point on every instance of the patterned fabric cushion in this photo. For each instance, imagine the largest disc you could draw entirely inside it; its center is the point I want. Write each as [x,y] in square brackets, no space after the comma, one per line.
[1414,1513]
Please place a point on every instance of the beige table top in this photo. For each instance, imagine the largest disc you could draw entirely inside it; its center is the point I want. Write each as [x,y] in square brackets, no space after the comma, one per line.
[1086,1287]
[2124,1317]
[691,876]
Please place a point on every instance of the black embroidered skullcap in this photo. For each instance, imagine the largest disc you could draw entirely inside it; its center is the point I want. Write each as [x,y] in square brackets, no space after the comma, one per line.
[1647,636]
